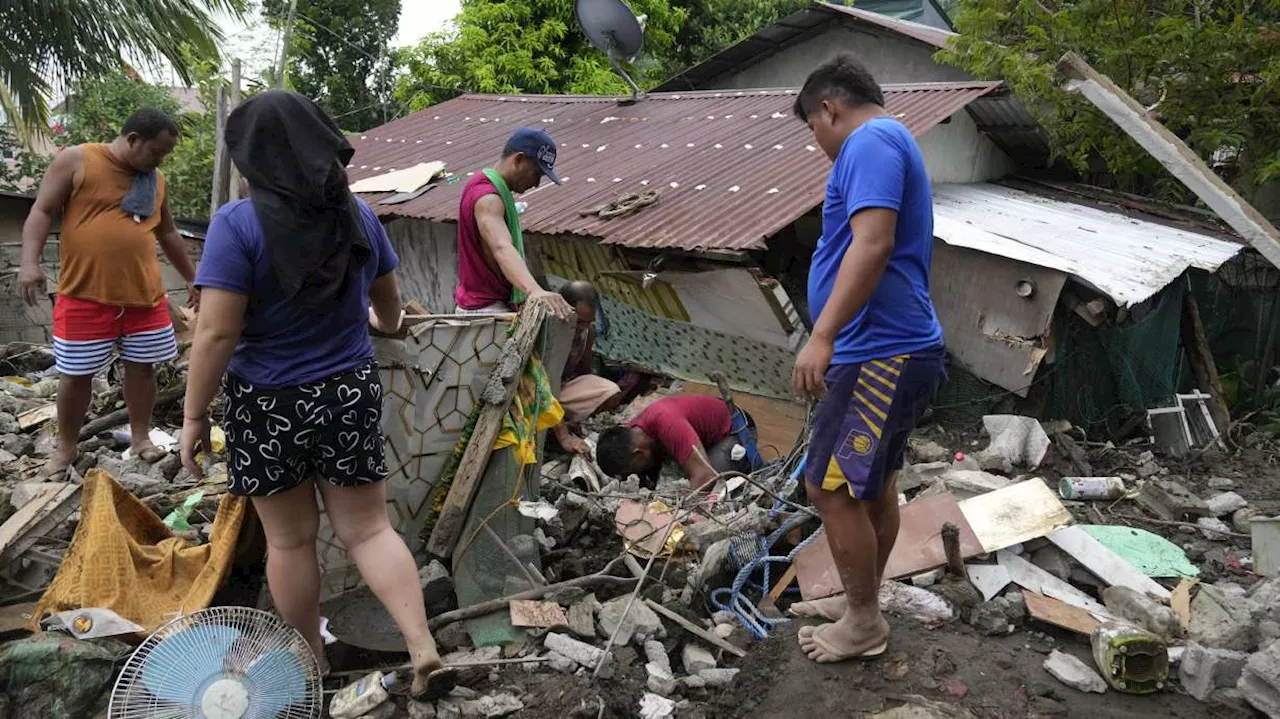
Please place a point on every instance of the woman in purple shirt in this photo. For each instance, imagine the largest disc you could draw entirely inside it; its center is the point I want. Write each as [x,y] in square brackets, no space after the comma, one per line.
[292,279]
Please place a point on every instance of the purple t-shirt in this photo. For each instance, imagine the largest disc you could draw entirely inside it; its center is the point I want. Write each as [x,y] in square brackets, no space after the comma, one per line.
[284,344]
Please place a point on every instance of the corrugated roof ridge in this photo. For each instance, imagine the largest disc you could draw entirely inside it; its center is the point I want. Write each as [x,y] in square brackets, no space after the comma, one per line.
[727,94]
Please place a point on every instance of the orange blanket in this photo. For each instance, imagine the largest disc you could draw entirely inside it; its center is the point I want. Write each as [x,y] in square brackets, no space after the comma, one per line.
[123,558]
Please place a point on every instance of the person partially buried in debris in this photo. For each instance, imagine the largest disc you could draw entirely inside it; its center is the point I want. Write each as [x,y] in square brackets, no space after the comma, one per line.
[876,357]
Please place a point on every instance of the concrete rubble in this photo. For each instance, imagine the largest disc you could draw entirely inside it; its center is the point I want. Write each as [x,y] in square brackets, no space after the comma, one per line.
[1074,673]
[1203,670]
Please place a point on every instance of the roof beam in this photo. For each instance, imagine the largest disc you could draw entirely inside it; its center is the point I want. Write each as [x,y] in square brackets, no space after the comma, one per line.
[1173,153]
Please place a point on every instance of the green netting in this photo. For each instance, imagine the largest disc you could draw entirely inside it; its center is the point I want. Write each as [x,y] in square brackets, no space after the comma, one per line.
[1102,374]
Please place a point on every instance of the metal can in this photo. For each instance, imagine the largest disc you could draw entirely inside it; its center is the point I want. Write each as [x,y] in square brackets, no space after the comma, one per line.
[1091,488]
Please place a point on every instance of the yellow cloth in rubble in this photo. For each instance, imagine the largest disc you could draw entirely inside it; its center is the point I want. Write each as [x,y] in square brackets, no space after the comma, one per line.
[533,395]
[123,558]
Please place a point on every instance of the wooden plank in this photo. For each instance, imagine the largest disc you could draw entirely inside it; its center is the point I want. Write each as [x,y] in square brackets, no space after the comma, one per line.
[1059,614]
[1203,365]
[497,399]
[788,577]
[221,158]
[695,630]
[233,186]
[38,416]
[778,422]
[1181,602]
[14,619]
[1181,161]
[37,518]
[539,615]
[1106,564]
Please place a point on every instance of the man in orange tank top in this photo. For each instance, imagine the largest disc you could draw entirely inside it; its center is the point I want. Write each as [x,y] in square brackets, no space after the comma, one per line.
[110,295]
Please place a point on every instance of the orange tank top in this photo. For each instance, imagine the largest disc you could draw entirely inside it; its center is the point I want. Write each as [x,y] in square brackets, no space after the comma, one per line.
[108,256]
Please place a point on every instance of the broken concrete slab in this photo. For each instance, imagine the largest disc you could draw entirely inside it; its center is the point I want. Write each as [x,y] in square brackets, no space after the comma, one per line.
[1074,673]
[582,617]
[1222,484]
[695,657]
[641,623]
[1225,503]
[1213,529]
[537,614]
[1019,441]
[1260,681]
[659,679]
[990,618]
[1171,500]
[1242,519]
[1221,622]
[972,482]
[1203,669]
[653,706]
[915,476]
[928,451]
[1054,561]
[718,678]
[579,652]
[657,654]
[492,706]
[750,520]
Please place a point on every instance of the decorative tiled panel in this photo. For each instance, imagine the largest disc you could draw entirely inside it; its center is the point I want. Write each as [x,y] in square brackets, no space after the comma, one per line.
[431,380]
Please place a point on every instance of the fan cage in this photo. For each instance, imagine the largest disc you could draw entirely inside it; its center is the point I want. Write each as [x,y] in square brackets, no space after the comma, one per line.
[260,633]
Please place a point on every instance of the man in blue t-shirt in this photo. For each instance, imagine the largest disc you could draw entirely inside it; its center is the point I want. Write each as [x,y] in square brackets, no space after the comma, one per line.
[875,357]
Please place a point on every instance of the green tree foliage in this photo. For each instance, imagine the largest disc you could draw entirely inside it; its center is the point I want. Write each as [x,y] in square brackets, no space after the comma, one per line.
[713,25]
[69,40]
[19,166]
[1209,71]
[531,46]
[98,110]
[340,56]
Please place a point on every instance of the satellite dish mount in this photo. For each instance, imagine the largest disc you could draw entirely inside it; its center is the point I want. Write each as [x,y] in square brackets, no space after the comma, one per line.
[616,31]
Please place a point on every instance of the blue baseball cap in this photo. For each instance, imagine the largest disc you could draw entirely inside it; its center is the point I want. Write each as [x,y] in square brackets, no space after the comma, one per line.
[539,147]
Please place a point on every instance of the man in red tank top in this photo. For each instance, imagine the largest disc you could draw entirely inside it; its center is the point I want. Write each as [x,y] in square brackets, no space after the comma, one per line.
[490,265]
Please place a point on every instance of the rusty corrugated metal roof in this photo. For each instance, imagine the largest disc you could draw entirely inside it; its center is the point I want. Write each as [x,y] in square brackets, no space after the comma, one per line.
[733,167]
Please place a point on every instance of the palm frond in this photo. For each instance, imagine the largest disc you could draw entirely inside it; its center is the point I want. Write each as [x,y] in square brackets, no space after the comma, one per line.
[50,42]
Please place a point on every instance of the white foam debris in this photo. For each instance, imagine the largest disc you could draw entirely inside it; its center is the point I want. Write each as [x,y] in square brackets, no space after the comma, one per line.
[777,147]
[773,191]
[735,188]
[748,147]
[777,116]
[674,185]
[700,187]
[602,148]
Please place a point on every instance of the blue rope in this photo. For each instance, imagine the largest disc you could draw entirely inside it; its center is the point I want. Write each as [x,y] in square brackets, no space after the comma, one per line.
[743,610]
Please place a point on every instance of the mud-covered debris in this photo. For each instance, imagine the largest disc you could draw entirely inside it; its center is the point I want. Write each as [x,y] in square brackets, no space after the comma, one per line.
[1074,673]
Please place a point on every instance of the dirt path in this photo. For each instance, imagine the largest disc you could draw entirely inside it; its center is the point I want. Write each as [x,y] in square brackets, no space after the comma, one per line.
[996,678]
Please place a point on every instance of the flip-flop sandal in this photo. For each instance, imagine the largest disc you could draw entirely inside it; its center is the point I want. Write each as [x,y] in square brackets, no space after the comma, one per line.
[870,653]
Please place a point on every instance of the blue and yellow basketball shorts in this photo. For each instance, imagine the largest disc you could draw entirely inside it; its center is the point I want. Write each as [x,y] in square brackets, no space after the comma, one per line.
[861,426]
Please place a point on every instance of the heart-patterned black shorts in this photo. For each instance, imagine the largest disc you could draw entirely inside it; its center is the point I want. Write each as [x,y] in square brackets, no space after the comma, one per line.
[277,438]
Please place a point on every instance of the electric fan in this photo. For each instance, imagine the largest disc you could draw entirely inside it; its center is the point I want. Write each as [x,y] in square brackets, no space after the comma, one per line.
[220,663]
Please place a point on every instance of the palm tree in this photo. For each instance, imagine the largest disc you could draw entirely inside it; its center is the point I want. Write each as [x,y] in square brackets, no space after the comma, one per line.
[57,41]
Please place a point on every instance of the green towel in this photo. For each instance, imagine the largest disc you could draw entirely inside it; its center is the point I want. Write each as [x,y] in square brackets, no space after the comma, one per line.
[513,223]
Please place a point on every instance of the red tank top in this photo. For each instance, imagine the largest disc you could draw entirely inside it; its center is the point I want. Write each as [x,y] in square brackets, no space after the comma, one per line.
[479,284]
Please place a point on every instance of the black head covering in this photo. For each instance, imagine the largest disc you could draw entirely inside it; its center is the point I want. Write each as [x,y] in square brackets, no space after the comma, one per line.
[293,156]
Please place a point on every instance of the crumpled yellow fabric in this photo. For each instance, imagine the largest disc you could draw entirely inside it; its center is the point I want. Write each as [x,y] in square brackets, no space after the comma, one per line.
[533,395]
[123,558]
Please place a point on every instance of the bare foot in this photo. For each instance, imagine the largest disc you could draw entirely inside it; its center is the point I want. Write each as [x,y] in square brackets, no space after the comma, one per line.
[322,659]
[832,608]
[148,452]
[842,640]
[431,680]
[58,463]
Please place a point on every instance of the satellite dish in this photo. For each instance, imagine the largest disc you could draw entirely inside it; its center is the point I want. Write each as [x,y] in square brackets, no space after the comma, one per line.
[614,30]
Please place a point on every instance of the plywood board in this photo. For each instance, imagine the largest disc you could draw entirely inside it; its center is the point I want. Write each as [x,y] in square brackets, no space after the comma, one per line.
[14,532]
[778,422]
[1059,614]
[918,548]
[540,615]
[1027,510]
[38,416]
[1106,564]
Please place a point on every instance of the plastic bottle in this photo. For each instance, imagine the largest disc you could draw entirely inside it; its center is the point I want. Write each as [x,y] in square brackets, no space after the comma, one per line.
[1142,610]
[1132,660]
[1091,488]
[363,696]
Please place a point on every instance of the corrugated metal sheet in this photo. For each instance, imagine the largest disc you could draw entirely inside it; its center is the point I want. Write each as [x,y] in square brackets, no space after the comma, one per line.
[733,167]
[914,30]
[1125,258]
[602,266]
